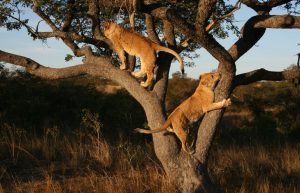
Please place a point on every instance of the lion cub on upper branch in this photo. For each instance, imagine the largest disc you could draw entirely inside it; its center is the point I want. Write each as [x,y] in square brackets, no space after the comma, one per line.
[135,44]
[192,109]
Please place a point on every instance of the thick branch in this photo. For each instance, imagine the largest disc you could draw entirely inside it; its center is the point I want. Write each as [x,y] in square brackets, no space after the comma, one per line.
[248,39]
[164,62]
[276,21]
[207,40]
[94,66]
[264,6]
[28,63]
[262,74]
[151,29]
[205,9]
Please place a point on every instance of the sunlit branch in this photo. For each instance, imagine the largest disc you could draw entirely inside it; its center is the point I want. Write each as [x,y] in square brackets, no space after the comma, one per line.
[262,74]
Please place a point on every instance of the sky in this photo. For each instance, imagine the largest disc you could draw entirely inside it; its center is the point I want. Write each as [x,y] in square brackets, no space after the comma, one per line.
[275,51]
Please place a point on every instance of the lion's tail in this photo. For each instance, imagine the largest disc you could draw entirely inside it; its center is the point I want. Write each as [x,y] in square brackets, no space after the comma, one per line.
[170,51]
[146,131]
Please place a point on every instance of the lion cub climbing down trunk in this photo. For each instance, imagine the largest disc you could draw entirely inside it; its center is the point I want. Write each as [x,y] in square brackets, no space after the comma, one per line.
[192,109]
[135,44]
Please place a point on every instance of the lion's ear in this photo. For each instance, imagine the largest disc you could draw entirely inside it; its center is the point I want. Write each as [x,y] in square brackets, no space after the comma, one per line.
[106,25]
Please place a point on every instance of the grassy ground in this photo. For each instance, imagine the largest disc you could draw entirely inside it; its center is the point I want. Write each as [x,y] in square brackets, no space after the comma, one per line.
[86,162]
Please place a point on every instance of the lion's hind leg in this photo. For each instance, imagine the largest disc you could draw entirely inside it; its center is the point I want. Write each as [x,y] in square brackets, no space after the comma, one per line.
[139,74]
[150,76]
[181,134]
[149,66]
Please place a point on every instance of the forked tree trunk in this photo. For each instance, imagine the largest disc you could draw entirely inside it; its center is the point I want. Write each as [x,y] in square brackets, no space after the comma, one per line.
[186,171]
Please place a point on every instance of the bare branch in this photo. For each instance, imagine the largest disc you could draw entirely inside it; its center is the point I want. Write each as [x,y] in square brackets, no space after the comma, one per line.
[28,63]
[38,11]
[151,29]
[264,7]
[168,31]
[94,66]
[205,9]
[67,41]
[255,28]
[207,40]
[29,28]
[236,7]
[262,74]
[250,36]
[276,21]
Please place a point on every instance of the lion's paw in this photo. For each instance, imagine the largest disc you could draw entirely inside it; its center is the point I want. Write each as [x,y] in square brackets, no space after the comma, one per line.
[144,84]
[123,67]
[227,102]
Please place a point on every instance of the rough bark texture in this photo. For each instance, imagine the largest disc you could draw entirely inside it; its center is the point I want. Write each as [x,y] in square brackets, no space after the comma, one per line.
[188,172]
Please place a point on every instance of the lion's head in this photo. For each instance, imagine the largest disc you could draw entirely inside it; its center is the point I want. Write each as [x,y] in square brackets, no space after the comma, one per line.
[108,27]
[209,79]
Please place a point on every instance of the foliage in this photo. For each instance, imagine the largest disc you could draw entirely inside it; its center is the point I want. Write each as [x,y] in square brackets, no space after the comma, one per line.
[15,14]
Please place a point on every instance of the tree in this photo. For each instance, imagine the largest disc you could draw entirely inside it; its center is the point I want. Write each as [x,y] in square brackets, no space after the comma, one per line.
[78,25]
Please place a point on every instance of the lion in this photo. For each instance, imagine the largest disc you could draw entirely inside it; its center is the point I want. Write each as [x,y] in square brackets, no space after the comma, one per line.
[133,43]
[192,109]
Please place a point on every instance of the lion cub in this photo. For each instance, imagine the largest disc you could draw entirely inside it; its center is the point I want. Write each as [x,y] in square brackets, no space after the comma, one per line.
[135,44]
[192,109]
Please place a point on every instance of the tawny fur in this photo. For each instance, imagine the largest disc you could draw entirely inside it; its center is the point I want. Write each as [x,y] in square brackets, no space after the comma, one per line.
[192,109]
[133,43]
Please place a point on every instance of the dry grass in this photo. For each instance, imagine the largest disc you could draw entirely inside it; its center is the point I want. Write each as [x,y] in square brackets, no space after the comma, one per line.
[83,162]
[86,162]
[257,169]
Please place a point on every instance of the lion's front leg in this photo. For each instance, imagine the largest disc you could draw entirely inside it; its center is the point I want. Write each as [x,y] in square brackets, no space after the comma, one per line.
[217,105]
[121,53]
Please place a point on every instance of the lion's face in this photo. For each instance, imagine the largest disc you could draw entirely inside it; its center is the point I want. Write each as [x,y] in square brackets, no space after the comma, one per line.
[107,26]
[209,79]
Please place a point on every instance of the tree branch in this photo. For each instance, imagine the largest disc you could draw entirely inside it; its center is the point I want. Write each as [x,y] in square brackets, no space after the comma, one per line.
[28,63]
[262,74]
[226,14]
[63,34]
[38,11]
[69,16]
[151,29]
[264,6]
[67,41]
[94,66]
[93,13]
[276,21]
[248,39]
[208,41]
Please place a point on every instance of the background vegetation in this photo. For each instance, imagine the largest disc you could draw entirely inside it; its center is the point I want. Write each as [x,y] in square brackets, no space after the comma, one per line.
[75,135]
